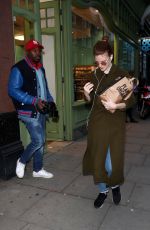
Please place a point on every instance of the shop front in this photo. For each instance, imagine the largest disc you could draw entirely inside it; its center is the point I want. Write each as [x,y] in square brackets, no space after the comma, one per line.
[69,31]
[68,34]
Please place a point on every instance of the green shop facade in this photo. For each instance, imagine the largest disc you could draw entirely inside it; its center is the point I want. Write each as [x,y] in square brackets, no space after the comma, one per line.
[68,30]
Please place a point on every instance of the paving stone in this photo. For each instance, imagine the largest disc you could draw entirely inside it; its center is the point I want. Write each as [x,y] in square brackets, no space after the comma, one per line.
[140,134]
[139,174]
[34,227]
[79,169]
[140,198]
[55,146]
[63,161]
[145,149]
[7,223]
[83,186]
[60,180]
[133,147]
[147,160]
[139,140]
[134,158]
[75,150]
[16,199]
[126,218]
[65,212]
[127,168]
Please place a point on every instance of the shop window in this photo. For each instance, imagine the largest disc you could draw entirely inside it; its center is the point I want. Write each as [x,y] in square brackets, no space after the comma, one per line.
[43,13]
[14,2]
[87,28]
[51,22]
[47,18]
[126,55]
[50,12]
[43,23]
[22,3]
[31,5]
[25,4]
[23,31]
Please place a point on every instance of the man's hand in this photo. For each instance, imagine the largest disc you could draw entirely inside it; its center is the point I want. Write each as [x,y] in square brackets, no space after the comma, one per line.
[40,104]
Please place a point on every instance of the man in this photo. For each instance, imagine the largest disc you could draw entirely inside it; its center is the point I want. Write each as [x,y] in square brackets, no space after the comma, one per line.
[29,91]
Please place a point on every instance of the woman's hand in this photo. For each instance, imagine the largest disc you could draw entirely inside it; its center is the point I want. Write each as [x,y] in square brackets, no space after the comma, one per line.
[88,87]
[109,105]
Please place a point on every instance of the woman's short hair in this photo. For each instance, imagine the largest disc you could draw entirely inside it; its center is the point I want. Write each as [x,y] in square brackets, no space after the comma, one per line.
[101,47]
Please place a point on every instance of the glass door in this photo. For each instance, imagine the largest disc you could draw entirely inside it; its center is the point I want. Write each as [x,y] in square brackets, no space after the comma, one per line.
[52,61]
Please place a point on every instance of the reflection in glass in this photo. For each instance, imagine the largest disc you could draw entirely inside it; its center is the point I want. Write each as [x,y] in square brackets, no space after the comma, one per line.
[31,5]
[43,13]
[13,2]
[23,31]
[22,3]
[51,22]
[43,23]
[50,12]
[86,30]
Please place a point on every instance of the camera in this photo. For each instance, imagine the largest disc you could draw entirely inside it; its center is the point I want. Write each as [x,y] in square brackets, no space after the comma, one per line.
[50,109]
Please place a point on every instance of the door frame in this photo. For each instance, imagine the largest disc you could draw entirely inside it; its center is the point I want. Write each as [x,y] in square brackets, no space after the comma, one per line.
[56,131]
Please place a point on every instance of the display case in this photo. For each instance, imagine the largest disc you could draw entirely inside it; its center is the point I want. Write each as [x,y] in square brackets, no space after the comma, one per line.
[82,75]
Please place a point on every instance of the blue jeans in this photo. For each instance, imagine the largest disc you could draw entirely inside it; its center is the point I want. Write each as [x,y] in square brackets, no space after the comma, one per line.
[108,166]
[36,129]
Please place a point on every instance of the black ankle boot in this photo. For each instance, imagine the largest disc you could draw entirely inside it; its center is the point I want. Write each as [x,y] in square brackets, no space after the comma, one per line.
[100,200]
[116,195]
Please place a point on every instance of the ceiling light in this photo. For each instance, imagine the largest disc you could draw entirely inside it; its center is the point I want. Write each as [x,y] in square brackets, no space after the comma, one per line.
[19,37]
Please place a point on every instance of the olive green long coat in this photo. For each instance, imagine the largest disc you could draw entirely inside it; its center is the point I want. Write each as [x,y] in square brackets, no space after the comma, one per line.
[105,130]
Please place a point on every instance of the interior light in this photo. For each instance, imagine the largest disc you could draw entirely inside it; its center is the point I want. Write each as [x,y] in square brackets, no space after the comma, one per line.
[19,37]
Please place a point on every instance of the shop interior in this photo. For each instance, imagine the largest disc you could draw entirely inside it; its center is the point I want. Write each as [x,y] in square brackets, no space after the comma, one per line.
[87,28]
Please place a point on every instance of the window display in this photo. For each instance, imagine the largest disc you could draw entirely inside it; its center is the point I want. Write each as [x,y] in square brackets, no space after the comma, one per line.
[82,75]
[87,28]
[126,55]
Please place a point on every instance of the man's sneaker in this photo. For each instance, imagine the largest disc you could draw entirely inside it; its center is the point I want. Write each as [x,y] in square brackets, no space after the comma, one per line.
[20,167]
[42,173]
[116,195]
[100,200]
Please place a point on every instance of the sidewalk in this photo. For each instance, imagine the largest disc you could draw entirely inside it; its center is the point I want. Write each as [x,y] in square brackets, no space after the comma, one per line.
[65,202]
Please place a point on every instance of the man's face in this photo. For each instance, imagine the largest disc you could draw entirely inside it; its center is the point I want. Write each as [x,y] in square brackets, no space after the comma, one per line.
[103,61]
[35,55]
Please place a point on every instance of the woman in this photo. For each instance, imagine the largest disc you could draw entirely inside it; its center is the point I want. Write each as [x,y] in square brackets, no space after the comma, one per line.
[104,156]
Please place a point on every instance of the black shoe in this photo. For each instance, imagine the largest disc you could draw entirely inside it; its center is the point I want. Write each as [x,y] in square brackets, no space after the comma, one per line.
[116,195]
[100,200]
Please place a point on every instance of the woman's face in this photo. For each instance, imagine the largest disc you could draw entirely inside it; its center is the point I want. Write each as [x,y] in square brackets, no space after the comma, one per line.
[103,61]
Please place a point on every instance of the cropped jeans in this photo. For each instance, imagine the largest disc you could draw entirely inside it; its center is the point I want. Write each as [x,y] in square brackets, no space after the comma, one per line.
[35,149]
